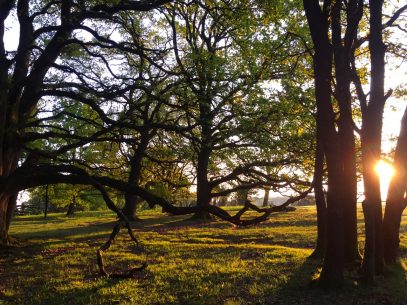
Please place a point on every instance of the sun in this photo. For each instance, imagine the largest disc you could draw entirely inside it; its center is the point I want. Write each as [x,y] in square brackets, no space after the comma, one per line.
[385,171]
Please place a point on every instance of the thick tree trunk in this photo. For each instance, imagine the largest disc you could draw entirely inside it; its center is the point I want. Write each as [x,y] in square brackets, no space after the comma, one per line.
[203,191]
[8,200]
[319,251]
[7,206]
[342,60]
[132,201]
[4,201]
[391,229]
[351,247]
[12,203]
[130,206]
[372,208]
[348,154]
[396,200]
[372,121]
[333,267]
[266,196]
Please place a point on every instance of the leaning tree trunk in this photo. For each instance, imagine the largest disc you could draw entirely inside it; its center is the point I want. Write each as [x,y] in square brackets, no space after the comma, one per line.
[396,200]
[372,121]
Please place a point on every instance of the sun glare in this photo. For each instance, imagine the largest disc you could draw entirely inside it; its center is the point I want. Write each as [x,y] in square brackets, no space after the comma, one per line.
[385,172]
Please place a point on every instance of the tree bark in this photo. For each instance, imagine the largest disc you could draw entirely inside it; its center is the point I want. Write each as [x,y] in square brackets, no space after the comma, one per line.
[266,196]
[372,121]
[4,201]
[130,206]
[320,248]
[343,77]
[333,266]
[8,203]
[203,190]
[8,199]
[131,201]
[396,200]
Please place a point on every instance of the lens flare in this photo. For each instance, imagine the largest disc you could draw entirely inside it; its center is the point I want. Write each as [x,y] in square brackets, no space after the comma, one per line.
[384,170]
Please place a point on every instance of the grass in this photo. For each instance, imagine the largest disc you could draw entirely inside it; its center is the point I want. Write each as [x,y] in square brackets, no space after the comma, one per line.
[189,263]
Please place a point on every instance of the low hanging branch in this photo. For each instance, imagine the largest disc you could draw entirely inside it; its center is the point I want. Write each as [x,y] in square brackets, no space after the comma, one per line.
[31,176]
[235,219]
[101,263]
[265,212]
[123,222]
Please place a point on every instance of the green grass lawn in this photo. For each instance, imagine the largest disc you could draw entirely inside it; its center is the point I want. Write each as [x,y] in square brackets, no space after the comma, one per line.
[188,263]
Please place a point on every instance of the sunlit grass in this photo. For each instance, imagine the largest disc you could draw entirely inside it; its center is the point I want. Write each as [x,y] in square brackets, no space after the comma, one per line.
[189,263]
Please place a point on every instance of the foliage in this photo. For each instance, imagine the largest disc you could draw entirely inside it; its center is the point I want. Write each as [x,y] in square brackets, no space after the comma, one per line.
[60,196]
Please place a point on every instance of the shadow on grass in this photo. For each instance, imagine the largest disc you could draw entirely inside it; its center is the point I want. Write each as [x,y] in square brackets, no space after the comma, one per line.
[41,278]
[44,293]
[303,288]
[174,223]
[67,232]
[285,281]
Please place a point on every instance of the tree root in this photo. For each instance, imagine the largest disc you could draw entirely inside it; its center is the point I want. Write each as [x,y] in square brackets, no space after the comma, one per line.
[10,242]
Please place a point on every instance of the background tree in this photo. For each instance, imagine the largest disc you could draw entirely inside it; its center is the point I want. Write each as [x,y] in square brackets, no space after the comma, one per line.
[69,198]
[222,64]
